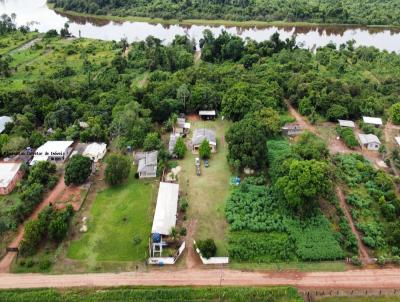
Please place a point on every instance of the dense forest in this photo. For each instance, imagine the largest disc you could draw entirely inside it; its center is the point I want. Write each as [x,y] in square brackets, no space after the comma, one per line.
[374,12]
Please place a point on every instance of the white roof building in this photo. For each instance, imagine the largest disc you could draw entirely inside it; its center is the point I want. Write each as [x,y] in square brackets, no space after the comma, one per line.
[4,120]
[166,208]
[95,151]
[369,141]
[397,138]
[346,123]
[373,120]
[52,150]
[207,113]
[8,171]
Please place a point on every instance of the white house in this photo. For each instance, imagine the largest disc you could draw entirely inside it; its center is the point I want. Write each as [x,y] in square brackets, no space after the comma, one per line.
[200,135]
[369,141]
[4,120]
[376,121]
[346,123]
[53,151]
[95,151]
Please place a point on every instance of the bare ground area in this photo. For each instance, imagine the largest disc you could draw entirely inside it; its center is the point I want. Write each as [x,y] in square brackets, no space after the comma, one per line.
[355,279]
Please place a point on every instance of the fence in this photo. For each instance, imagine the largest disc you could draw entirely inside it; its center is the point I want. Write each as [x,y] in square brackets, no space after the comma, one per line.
[168,260]
[212,260]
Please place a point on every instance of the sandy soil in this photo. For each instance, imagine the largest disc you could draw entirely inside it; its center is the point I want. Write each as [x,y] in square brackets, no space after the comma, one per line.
[356,279]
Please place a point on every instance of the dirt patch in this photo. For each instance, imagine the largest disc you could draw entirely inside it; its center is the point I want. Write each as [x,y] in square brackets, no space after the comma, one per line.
[193,118]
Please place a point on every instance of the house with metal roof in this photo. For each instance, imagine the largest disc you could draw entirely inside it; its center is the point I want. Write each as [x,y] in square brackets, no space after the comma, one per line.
[292,129]
[147,164]
[10,174]
[202,134]
[208,114]
[172,142]
[346,124]
[4,120]
[181,127]
[376,121]
[369,141]
[55,151]
[95,151]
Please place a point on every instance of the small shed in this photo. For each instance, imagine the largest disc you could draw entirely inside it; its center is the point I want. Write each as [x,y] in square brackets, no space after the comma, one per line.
[147,164]
[369,141]
[292,129]
[181,126]
[202,134]
[95,151]
[346,124]
[208,114]
[4,120]
[172,142]
[376,121]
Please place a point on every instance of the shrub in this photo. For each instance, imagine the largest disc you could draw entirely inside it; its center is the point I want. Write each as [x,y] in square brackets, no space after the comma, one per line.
[152,142]
[183,232]
[180,148]
[117,170]
[348,137]
[205,149]
[207,248]
[356,261]
[78,169]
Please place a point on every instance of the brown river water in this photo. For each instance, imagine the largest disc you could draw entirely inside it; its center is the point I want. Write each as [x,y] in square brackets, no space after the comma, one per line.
[36,14]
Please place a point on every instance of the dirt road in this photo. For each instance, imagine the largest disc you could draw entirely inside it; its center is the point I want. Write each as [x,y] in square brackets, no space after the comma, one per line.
[5,263]
[362,250]
[358,279]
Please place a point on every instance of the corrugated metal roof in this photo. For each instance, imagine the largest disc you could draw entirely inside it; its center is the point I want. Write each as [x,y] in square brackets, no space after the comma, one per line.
[166,208]
[7,173]
[199,135]
[372,120]
[368,138]
[346,123]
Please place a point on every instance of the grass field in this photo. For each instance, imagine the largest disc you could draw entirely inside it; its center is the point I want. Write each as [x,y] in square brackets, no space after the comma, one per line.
[150,294]
[7,202]
[207,193]
[118,214]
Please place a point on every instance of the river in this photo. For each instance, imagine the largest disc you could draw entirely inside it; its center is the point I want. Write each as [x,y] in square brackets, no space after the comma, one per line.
[36,14]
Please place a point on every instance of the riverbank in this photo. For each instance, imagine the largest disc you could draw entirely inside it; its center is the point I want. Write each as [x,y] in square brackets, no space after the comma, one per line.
[219,22]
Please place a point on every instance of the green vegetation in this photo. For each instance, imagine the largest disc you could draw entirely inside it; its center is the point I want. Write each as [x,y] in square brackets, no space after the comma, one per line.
[207,248]
[324,11]
[77,170]
[347,135]
[276,294]
[118,169]
[15,208]
[51,225]
[118,214]
[180,148]
[375,205]
[205,149]
[265,225]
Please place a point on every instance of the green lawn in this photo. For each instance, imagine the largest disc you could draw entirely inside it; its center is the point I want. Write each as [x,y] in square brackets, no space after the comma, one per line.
[207,193]
[117,216]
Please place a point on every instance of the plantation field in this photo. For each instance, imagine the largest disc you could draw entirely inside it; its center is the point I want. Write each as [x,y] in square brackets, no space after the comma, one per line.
[374,204]
[57,57]
[150,294]
[207,193]
[118,215]
[14,41]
